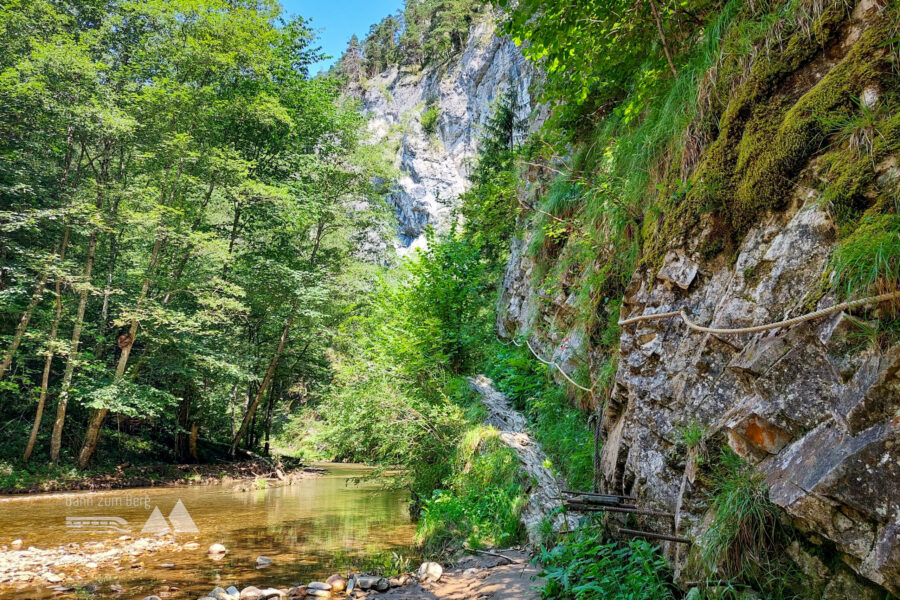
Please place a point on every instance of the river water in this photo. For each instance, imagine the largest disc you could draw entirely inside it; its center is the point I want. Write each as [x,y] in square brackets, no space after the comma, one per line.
[308,530]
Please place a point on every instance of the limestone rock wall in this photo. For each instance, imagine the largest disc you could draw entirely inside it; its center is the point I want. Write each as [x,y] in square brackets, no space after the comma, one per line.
[434,168]
[814,408]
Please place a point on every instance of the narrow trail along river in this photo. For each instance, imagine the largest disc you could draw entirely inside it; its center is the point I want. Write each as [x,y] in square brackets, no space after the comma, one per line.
[308,530]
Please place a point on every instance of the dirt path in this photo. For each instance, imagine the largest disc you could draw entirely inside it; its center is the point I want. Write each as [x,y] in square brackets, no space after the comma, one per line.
[477,577]
[545,494]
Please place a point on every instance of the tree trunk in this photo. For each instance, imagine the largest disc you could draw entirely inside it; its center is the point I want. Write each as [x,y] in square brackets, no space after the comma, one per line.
[662,36]
[110,271]
[39,290]
[45,378]
[56,437]
[192,445]
[92,435]
[268,424]
[183,453]
[251,410]
[23,322]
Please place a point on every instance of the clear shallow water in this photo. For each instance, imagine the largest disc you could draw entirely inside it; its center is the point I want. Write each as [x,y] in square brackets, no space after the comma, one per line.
[306,529]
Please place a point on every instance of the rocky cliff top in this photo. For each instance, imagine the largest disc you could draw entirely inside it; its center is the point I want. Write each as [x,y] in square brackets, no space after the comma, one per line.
[434,159]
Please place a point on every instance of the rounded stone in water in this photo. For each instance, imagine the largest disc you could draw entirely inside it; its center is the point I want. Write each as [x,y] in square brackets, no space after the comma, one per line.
[337,583]
[318,585]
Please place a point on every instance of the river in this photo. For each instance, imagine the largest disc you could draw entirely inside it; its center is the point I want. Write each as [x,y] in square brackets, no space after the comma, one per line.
[308,530]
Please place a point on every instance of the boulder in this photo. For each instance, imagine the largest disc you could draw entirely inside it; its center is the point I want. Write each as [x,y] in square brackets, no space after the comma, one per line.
[337,583]
[430,571]
[272,593]
[221,594]
[318,585]
[366,582]
[251,593]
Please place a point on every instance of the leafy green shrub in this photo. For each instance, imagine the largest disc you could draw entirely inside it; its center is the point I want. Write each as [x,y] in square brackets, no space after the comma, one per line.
[585,566]
[482,504]
[430,117]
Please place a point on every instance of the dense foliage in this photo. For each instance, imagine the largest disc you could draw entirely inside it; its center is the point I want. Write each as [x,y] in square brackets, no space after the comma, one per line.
[173,219]
[586,565]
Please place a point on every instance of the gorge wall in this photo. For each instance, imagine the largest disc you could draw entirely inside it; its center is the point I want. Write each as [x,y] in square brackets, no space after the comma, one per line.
[462,94]
[814,407]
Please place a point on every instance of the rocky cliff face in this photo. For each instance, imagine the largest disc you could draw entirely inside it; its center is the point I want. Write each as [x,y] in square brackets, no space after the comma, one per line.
[814,407]
[434,167]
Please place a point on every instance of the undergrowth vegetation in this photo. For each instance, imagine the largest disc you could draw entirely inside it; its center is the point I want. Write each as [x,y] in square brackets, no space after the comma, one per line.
[586,565]
[744,544]
[561,430]
[481,502]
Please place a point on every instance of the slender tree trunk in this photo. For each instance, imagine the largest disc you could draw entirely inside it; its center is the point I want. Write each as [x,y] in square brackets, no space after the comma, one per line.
[56,437]
[273,364]
[662,36]
[235,224]
[182,440]
[268,423]
[192,445]
[110,270]
[36,296]
[45,378]
[92,435]
[39,290]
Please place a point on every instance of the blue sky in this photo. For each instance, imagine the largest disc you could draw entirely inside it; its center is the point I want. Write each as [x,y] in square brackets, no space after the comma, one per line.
[336,21]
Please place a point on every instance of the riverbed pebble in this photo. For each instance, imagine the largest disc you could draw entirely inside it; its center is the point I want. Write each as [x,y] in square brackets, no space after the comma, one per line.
[191,546]
[15,544]
[263,561]
[366,582]
[251,593]
[221,594]
[233,592]
[217,549]
[318,585]
[337,583]
[318,593]
[273,593]
[430,570]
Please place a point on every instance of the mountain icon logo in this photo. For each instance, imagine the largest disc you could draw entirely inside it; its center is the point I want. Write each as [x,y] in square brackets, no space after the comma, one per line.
[179,518]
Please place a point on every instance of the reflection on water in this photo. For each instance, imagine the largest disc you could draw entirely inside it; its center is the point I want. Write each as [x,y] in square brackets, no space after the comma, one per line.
[307,530]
